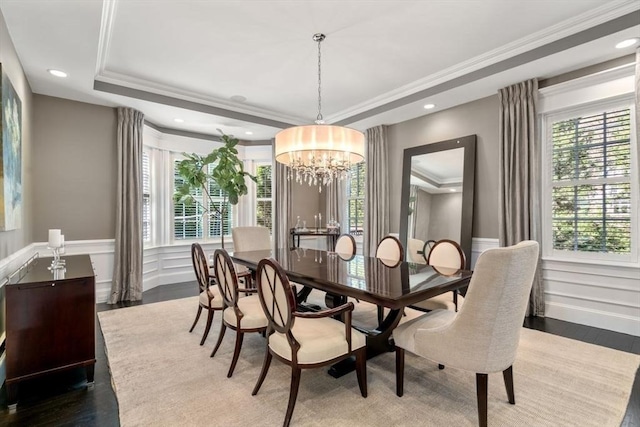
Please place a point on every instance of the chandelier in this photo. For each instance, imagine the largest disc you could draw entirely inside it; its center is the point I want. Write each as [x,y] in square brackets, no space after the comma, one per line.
[318,154]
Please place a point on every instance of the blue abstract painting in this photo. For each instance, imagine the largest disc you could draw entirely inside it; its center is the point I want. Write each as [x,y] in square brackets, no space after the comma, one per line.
[11,176]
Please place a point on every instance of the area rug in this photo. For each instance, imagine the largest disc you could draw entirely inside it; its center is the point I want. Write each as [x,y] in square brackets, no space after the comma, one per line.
[163,377]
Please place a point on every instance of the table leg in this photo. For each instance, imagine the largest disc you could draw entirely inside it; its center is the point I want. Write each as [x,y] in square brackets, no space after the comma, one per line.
[378,342]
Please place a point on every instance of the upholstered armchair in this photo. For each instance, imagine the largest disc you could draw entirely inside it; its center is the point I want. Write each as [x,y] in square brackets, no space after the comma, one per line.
[249,239]
[483,336]
[242,315]
[346,246]
[304,340]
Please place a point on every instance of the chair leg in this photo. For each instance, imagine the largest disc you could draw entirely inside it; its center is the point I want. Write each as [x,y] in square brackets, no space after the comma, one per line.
[455,299]
[361,370]
[399,371]
[236,352]
[508,383]
[482,381]
[380,315]
[263,374]
[223,329]
[206,328]
[441,367]
[293,394]
[197,317]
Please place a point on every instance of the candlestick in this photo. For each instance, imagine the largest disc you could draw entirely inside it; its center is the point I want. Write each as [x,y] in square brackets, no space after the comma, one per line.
[55,238]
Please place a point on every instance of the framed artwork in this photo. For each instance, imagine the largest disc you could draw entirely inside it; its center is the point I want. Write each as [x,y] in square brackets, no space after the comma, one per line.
[11,154]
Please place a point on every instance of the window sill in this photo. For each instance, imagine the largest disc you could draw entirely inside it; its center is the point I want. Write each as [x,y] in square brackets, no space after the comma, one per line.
[594,262]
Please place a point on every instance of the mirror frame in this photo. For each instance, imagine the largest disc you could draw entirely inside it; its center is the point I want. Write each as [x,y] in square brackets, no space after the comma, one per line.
[468,185]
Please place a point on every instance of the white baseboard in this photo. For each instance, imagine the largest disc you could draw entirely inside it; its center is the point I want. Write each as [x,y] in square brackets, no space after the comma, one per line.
[596,318]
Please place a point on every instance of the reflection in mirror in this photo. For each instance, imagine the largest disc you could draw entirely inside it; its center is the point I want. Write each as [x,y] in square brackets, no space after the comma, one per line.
[437,196]
[435,199]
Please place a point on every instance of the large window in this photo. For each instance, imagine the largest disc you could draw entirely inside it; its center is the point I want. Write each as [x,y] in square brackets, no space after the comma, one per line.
[188,219]
[590,181]
[146,198]
[355,199]
[264,205]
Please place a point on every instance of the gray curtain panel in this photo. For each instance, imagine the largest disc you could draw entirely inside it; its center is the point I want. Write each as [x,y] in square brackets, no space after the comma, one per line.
[519,165]
[376,214]
[336,206]
[282,207]
[127,270]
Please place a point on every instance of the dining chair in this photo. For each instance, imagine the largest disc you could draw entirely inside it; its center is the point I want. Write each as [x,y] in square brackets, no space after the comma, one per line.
[242,315]
[483,336]
[391,253]
[447,254]
[346,246]
[255,238]
[209,297]
[304,340]
[414,251]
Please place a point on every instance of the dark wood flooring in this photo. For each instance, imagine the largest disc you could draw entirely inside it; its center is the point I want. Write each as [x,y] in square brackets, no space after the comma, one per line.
[64,400]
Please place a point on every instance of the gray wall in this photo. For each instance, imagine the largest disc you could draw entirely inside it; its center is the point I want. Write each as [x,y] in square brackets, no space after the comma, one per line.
[75,169]
[422,215]
[446,214]
[14,240]
[478,117]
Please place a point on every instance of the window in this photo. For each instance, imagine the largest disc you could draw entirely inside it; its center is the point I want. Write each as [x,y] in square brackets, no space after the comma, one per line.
[590,191]
[264,205]
[188,219]
[355,199]
[146,198]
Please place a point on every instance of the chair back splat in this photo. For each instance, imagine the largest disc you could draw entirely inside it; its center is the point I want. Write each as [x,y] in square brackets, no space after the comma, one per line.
[200,266]
[346,245]
[277,297]
[390,249]
[227,279]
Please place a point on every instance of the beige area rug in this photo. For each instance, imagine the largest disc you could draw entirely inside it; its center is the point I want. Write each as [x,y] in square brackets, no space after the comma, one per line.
[162,377]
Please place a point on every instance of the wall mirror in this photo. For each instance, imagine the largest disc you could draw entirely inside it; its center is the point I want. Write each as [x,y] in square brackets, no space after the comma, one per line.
[437,195]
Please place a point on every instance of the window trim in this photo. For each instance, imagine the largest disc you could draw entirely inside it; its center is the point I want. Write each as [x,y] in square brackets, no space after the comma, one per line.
[546,129]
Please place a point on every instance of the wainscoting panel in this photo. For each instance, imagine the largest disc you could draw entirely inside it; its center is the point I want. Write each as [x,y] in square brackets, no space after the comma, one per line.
[603,296]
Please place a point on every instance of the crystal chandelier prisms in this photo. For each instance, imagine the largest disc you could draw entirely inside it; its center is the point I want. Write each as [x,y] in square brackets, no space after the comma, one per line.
[320,153]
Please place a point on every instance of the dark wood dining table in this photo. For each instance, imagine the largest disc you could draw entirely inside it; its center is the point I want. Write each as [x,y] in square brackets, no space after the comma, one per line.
[381,282]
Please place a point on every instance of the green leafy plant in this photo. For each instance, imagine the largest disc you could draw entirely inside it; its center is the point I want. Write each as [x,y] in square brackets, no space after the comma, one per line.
[227,172]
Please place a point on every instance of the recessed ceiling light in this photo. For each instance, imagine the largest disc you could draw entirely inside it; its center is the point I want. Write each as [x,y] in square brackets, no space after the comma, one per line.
[453,190]
[429,106]
[248,132]
[57,73]
[627,43]
[178,120]
[238,98]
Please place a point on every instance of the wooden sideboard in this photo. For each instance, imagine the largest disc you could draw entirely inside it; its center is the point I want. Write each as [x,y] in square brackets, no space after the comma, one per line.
[50,321]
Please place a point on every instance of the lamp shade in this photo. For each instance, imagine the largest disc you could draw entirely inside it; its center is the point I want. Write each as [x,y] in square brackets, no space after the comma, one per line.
[303,143]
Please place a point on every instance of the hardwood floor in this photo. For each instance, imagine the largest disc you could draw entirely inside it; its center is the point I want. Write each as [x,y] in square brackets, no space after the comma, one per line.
[64,400]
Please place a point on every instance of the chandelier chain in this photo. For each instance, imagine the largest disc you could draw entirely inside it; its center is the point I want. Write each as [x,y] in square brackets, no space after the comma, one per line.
[319,118]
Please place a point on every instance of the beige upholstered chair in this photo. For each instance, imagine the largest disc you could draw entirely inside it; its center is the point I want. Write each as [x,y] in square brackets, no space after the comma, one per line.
[304,340]
[483,336]
[448,254]
[241,314]
[210,298]
[346,246]
[251,239]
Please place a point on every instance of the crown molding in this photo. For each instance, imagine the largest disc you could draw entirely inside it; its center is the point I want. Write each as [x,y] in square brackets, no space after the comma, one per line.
[583,22]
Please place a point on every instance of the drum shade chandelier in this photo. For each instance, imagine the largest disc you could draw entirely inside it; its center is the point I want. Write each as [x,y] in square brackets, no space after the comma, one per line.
[318,154]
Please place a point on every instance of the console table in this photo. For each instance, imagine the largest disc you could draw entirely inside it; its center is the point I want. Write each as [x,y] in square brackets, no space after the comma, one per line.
[332,235]
[50,321]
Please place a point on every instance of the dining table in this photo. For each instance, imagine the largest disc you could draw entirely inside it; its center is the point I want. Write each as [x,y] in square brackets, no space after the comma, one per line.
[385,283]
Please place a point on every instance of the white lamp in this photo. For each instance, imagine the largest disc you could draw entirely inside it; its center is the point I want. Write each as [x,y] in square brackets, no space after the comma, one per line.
[319,153]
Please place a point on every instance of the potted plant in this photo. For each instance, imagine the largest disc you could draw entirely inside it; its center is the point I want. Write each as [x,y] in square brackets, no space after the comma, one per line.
[228,173]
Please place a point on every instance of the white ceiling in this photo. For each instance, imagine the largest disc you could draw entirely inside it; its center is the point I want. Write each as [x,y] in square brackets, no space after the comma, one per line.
[438,172]
[381,61]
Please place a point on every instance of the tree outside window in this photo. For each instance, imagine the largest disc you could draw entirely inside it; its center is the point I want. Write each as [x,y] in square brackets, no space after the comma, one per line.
[264,199]
[355,199]
[591,183]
